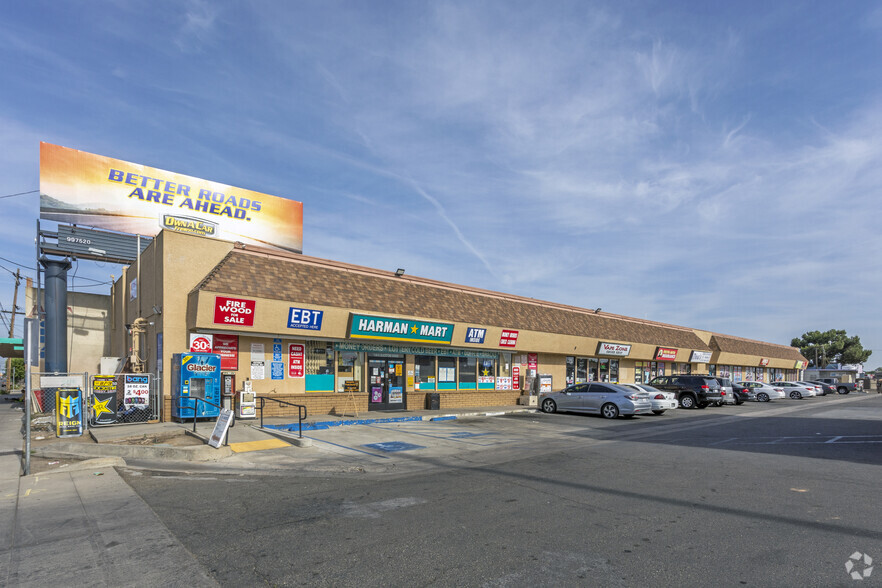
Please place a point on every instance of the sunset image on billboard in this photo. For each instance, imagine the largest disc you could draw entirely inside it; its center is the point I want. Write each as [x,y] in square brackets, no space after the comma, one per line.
[93,190]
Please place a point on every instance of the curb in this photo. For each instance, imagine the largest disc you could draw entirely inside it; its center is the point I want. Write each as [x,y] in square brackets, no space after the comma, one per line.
[199,453]
[324,425]
[89,464]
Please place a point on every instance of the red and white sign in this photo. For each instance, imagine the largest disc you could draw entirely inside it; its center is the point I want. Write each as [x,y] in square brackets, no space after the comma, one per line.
[516,376]
[200,343]
[665,354]
[227,346]
[764,361]
[508,338]
[295,360]
[533,361]
[234,311]
[614,349]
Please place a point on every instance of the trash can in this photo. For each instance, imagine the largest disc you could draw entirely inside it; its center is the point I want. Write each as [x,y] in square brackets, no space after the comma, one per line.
[433,401]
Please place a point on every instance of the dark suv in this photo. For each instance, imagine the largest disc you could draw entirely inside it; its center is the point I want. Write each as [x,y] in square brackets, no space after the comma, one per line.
[691,391]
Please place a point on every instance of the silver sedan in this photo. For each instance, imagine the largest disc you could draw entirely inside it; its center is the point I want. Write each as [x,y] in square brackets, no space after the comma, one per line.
[608,400]
[661,400]
[795,390]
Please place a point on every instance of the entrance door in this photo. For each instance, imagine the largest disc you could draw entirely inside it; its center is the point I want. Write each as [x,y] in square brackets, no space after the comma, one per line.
[386,384]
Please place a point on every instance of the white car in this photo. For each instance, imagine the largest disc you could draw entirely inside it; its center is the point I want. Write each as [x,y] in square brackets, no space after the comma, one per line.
[795,390]
[661,400]
[762,392]
[814,387]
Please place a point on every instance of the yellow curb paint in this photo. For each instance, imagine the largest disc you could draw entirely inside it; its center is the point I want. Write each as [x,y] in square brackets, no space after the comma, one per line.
[258,445]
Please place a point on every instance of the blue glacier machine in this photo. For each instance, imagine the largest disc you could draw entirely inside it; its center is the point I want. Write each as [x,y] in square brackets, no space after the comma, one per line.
[195,375]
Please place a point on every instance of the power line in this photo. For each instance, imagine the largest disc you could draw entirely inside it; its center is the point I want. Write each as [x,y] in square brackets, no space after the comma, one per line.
[18,264]
[19,194]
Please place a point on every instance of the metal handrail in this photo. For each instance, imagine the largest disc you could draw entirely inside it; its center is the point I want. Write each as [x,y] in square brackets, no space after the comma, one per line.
[301,410]
[195,408]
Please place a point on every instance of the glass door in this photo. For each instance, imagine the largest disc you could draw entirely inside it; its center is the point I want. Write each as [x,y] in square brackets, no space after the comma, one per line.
[386,384]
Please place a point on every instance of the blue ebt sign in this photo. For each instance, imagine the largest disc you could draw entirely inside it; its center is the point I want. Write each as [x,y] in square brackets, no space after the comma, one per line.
[304,318]
[474,335]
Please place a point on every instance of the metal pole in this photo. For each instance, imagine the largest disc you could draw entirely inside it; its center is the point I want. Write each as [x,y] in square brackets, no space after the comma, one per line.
[29,328]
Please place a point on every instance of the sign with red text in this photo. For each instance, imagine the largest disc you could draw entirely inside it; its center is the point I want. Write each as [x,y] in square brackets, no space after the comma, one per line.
[234,311]
[764,361]
[516,376]
[227,346]
[665,354]
[508,338]
[200,343]
[533,361]
[295,360]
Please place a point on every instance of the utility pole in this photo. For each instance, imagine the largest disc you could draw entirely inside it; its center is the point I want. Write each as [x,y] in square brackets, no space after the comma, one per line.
[9,378]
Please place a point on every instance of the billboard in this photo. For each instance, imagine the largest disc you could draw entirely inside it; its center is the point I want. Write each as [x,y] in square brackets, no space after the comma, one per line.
[93,190]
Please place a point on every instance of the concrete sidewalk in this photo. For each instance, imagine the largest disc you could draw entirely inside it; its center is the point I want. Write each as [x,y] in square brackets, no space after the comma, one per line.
[81,526]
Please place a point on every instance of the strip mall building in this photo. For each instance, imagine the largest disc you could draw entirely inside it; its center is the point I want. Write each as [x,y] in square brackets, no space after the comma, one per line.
[329,335]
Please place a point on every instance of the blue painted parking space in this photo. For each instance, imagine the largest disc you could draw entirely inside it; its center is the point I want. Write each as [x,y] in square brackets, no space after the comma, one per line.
[393,446]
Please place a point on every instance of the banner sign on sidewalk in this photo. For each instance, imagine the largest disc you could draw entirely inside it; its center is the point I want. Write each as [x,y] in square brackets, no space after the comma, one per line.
[69,412]
[221,426]
[104,400]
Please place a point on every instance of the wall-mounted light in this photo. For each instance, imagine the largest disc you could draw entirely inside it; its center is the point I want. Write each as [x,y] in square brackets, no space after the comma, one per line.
[399,272]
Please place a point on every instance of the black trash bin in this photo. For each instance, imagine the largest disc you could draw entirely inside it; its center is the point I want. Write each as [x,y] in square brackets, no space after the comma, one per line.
[433,401]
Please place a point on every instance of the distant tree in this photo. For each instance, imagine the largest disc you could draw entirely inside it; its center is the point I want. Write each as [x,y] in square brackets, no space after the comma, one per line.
[833,346]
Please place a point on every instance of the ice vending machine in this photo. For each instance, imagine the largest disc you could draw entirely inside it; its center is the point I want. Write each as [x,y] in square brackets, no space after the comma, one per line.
[196,375]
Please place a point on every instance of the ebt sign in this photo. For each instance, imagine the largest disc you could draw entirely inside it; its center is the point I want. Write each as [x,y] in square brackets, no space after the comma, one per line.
[234,311]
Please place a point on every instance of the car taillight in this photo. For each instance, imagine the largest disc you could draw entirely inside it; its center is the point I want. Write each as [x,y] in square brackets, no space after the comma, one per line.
[659,396]
[632,396]
[704,387]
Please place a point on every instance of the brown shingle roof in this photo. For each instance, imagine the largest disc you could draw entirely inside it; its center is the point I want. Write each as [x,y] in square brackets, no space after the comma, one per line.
[729,344]
[303,279]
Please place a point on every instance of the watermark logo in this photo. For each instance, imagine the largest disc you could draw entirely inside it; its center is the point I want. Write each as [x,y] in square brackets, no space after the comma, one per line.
[859,566]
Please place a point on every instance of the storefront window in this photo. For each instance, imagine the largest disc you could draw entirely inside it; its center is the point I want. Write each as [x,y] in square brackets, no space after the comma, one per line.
[319,358]
[592,369]
[349,367]
[712,370]
[614,370]
[737,372]
[447,373]
[424,372]
[571,371]
[468,372]
[581,370]
[604,370]
[505,366]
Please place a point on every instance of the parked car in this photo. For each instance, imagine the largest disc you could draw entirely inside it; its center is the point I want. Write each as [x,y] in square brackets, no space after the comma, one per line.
[726,390]
[794,390]
[763,392]
[691,391]
[660,399]
[741,393]
[841,387]
[608,400]
[818,390]
[825,387]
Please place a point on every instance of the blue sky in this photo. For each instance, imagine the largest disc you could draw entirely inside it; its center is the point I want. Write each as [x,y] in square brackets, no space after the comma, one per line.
[713,165]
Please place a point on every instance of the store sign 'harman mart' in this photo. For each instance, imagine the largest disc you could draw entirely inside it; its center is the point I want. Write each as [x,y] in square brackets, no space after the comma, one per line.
[398,329]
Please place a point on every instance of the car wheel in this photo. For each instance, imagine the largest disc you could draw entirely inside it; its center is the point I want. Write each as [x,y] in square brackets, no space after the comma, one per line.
[842,390]
[549,406]
[609,410]
[658,412]
[762,397]
[795,395]
[687,401]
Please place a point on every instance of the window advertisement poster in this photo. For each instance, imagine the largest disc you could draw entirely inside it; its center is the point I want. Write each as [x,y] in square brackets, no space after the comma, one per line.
[136,391]
[277,370]
[227,346]
[533,361]
[396,395]
[516,376]
[277,350]
[201,343]
[81,188]
[104,400]
[68,412]
[503,383]
[296,363]
[234,311]
[376,394]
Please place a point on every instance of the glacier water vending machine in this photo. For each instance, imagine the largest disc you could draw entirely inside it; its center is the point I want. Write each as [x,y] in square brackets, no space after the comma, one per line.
[196,375]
